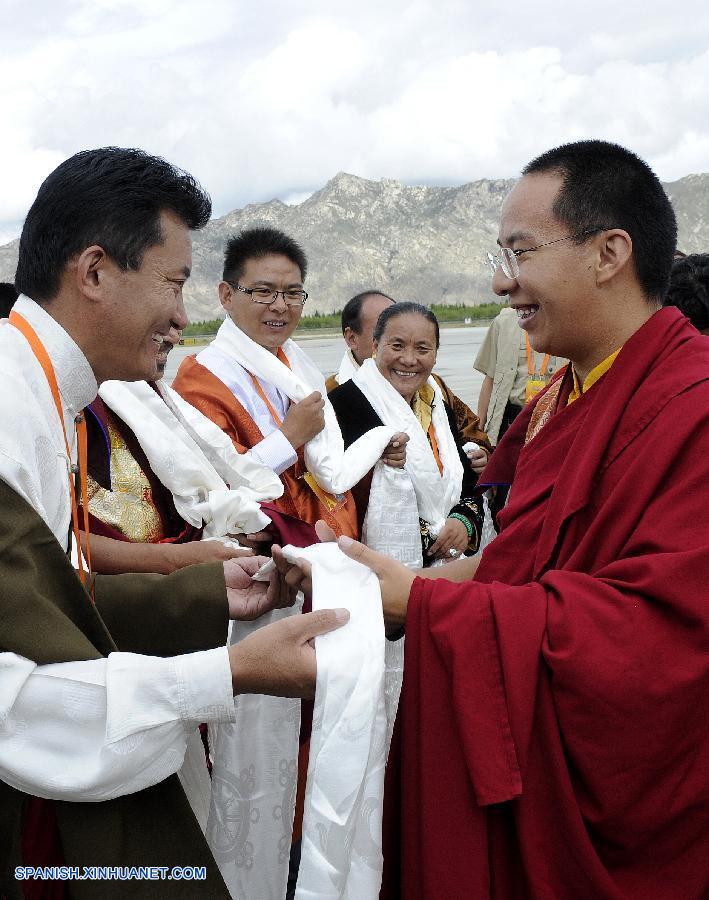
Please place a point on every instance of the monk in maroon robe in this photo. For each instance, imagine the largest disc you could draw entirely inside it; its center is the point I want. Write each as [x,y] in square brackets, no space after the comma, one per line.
[553,721]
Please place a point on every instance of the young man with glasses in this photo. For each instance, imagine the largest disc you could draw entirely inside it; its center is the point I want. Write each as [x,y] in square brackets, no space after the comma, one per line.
[246,382]
[564,679]
[229,381]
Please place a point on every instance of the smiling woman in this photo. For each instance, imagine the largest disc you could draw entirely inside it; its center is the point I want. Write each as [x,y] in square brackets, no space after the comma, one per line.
[396,388]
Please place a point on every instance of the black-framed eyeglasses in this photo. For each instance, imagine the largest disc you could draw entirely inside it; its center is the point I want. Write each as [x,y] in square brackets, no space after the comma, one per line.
[507,258]
[265,295]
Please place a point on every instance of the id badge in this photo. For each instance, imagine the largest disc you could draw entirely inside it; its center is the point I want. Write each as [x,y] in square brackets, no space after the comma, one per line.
[534,385]
[331,502]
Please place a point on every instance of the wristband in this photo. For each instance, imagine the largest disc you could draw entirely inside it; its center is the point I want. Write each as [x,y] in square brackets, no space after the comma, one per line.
[461,518]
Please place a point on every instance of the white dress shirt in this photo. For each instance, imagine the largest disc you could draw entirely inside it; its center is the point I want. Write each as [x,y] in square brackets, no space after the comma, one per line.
[275,450]
[96,729]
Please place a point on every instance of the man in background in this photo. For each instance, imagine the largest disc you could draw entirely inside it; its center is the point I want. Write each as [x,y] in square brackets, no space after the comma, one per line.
[514,372]
[689,289]
[359,316]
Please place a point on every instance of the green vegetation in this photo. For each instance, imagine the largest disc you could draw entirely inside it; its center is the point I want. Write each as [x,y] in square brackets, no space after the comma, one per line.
[207,326]
[444,314]
[461,313]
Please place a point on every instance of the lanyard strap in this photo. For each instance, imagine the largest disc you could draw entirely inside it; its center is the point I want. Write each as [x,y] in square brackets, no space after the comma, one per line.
[262,394]
[43,359]
[530,359]
[434,448]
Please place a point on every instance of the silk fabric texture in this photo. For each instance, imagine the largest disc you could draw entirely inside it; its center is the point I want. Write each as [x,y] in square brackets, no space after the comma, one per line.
[335,469]
[212,484]
[341,857]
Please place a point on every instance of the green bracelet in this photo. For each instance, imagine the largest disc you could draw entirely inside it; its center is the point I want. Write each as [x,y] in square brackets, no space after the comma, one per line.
[460,518]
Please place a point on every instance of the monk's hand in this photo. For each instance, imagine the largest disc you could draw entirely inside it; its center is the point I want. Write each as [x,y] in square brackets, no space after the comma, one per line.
[258,541]
[453,536]
[193,552]
[290,576]
[279,658]
[304,420]
[478,457]
[395,451]
[249,599]
[395,580]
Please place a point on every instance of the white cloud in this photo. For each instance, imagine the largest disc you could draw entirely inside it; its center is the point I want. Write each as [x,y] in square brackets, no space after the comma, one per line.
[268,99]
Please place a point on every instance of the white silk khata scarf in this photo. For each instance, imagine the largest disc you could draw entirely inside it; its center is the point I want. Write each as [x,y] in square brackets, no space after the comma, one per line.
[348,367]
[341,850]
[211,484]
[335,469]
[436,493]
[398,497]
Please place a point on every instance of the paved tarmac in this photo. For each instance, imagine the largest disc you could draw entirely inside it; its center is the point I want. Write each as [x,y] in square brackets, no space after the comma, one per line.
[459,346]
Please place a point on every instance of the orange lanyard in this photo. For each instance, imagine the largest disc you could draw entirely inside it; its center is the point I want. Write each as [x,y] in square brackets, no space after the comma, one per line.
[434,447]
[262,394]
[530,360]
[260,391]
[43,359]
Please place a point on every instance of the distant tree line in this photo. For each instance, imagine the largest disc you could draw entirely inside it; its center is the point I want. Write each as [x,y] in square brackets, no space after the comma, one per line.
[332,320]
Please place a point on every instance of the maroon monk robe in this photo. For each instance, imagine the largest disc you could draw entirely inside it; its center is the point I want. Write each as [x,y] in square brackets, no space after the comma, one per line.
[555,709]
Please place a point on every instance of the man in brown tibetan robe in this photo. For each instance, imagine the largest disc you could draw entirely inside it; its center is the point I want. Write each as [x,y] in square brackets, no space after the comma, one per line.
[101,680]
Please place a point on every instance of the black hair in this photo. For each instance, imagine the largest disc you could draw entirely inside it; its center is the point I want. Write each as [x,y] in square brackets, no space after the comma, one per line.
[8,295]
[352,310]
[255,243]
[111,197]
[689,288]
[606,186]
[401,309]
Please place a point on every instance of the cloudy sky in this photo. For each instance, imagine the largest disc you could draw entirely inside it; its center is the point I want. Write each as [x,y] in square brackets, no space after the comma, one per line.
[270,98]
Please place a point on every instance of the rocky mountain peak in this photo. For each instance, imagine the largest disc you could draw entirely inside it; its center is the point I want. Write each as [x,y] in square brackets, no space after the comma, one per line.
[421,243]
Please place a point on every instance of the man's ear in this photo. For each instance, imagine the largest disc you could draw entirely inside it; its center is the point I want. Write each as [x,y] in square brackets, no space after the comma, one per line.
[225,295]
[615,252]
[350,337]
[91,268]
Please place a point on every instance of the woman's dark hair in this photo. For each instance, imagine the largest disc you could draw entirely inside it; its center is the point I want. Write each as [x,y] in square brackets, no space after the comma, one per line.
[606,186]
[255,243]
[689,289]
[111,197]
[401,309]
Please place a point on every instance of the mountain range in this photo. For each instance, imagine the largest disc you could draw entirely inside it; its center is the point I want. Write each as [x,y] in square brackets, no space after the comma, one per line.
[416,243]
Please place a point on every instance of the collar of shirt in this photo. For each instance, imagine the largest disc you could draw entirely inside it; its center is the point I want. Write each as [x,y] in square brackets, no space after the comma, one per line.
[593,376]
[75,378]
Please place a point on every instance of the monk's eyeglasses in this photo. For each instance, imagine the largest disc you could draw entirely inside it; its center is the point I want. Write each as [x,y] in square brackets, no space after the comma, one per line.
[507,258]
[266,295]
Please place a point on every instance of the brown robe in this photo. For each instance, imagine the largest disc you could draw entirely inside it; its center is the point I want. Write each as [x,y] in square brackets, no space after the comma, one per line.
[47,616]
